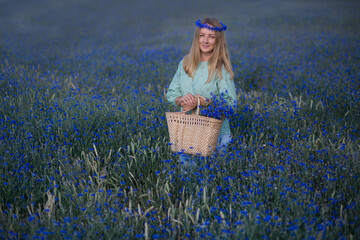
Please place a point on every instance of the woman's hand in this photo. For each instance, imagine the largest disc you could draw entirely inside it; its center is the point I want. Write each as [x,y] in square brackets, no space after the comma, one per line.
[203,101]
[188,102]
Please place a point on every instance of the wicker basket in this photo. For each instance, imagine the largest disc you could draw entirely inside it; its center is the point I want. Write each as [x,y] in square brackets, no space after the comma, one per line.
[193,134]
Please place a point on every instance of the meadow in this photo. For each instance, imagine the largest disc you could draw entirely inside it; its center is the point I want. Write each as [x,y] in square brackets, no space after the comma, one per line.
[84,150]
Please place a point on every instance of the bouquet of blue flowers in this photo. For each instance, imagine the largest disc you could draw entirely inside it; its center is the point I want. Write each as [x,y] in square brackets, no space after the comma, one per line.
[217,107]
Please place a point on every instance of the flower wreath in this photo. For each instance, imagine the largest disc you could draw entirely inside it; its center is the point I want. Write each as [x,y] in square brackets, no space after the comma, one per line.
[205,25]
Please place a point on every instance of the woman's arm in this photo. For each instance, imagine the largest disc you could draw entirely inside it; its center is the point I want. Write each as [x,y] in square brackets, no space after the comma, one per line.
[174,90]
[175,95]
[226,87]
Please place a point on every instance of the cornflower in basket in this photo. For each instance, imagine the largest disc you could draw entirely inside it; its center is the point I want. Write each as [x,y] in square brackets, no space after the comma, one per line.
[217,107]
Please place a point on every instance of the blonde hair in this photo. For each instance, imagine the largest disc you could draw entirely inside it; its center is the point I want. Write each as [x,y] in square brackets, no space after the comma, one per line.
[218,59]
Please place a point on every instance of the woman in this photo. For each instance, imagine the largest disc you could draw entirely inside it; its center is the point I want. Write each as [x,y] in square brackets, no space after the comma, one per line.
[204,71]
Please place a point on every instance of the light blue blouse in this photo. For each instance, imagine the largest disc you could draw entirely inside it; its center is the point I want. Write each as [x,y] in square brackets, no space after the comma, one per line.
[182,84]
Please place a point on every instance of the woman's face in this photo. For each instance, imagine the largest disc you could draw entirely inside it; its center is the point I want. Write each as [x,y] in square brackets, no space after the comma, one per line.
[206,41]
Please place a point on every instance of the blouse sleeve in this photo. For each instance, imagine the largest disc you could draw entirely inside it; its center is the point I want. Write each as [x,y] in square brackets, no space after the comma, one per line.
[226,86]
[174,90]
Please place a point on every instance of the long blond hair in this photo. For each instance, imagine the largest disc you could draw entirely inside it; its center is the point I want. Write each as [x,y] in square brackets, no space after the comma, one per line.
[218,59]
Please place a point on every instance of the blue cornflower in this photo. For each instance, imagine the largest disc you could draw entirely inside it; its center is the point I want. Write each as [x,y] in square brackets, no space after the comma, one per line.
[218,108]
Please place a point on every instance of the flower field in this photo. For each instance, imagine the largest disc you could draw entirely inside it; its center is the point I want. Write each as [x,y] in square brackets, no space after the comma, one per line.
[84,150]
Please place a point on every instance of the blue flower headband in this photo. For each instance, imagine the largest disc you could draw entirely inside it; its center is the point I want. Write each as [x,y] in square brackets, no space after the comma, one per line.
[205,25]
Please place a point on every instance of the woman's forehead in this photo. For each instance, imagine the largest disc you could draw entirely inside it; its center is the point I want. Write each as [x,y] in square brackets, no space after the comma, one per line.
[207,31]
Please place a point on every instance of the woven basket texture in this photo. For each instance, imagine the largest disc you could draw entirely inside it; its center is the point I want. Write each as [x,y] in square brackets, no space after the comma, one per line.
[193,134]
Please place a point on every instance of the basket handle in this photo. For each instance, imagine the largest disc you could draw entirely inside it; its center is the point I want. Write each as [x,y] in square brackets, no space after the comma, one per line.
[198,104]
